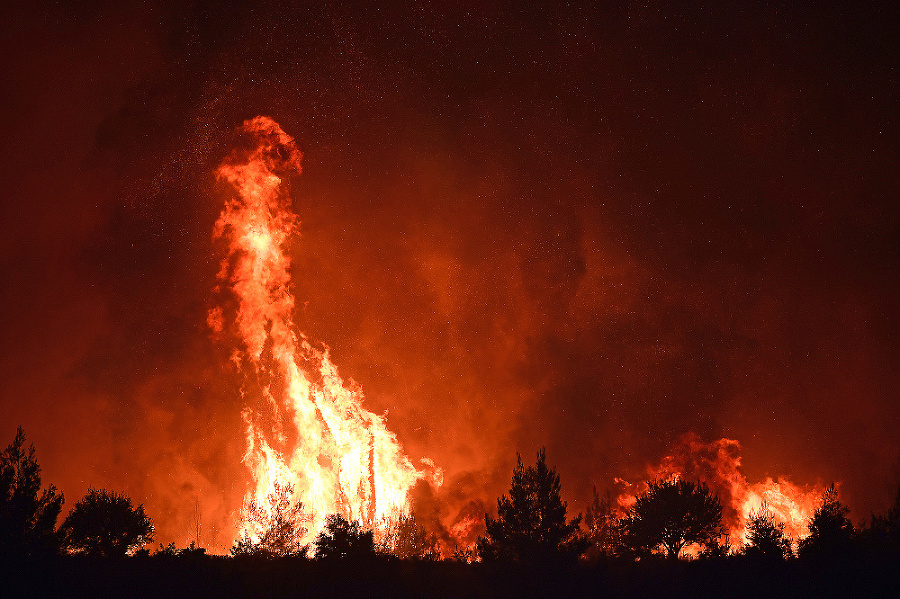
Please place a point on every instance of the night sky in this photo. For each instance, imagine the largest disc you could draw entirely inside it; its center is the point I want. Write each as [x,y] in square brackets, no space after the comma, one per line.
[594,227]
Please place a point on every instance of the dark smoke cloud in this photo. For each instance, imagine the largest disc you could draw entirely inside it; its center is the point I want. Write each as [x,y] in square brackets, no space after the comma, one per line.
[594,228]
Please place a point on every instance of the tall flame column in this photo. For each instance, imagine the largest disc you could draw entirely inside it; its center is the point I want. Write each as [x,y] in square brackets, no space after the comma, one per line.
[308,429]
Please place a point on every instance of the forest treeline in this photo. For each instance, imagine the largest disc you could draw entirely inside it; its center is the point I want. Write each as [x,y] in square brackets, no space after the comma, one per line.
[671,540]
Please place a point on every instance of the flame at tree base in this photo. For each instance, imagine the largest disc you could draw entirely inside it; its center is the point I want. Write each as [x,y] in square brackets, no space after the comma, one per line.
[718,464]
[309,432]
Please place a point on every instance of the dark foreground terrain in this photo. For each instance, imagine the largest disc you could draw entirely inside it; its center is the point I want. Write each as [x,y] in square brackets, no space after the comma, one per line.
[212,576]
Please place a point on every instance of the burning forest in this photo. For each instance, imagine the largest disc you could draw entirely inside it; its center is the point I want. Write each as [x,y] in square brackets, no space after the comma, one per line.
[307,431]
[309,281]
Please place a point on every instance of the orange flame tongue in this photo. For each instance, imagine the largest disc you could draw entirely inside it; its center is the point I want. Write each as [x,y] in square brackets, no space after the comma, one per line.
[314,434]
[718,463]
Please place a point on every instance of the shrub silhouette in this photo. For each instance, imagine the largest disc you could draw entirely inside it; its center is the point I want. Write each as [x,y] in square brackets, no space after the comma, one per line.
[342,539]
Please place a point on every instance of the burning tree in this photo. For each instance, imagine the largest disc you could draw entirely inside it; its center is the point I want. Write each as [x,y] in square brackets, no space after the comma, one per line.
[765,535]
[276,528]
[309,429]
[718,464]
[602,524]
[670,515]
[531,522]
[402,536]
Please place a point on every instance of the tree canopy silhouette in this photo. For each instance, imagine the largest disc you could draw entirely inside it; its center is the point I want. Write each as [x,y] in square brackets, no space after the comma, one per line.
[342,539]
[27,514]
[670,515]
[282,532]
[830,531]
[765,535]
[104,523]
[531,522]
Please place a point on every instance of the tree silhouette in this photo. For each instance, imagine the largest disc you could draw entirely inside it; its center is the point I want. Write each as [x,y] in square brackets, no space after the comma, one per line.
[883,533]
[716,549]
[27,515]
[280,531]
[671,514]
[830,531]
[404,538]
[104,523]
[765,535]
[342,539]
[602,526]
[531,522]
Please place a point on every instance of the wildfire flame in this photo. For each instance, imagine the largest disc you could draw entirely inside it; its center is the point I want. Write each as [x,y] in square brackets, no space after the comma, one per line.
[310,431]
[718,463]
